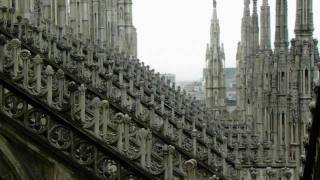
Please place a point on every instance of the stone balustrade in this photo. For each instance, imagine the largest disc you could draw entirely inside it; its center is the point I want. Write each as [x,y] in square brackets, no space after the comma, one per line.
[120,101]
[70,89]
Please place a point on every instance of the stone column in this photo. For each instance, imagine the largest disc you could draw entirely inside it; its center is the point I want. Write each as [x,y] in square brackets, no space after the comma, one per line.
[208,144]
[126,122]
[162,97]
[119,120]
[96,113]
[170,161]
[204,132]
[82,102]
[123,89]
[152,111]
[142,137]
[14,45]
[72,88]
[149,148]
[105,117]
[50,72]
[25,57]
[194,142]
[109,84]
[180,135]
[139,97]
[37,71]
[168,152]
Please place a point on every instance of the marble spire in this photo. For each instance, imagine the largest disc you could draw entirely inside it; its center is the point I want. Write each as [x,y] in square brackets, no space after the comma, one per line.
[265,36]
[304,19]
[281,36]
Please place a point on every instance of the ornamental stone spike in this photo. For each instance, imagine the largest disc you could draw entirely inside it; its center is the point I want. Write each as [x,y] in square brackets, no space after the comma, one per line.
[25,57]
[14,47]
[97,32]
[142,137]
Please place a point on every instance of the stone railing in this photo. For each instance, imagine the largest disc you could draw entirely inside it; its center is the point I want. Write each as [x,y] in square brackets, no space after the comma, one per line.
[121,102]
[82,76]
[119,122]
[53,130]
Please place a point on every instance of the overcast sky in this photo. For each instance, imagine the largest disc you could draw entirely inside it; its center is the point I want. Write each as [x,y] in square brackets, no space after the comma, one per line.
[172,34]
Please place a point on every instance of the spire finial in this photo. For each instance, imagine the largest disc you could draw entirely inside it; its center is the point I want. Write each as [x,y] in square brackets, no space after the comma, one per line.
[214,15]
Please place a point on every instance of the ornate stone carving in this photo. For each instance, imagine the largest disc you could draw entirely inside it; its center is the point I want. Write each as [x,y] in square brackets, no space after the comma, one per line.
[36,121]
[190,167]
[83,152]
[60,137]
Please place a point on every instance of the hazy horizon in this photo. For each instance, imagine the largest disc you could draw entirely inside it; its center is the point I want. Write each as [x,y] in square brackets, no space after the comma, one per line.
[172,34]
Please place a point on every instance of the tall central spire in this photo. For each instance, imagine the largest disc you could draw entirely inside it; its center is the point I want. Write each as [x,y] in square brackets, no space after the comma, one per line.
[281,37]
[215,27]
[214,71]
[246,29]
[304,19]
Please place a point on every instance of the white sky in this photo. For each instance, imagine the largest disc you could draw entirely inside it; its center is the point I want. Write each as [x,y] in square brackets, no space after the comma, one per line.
[172,34]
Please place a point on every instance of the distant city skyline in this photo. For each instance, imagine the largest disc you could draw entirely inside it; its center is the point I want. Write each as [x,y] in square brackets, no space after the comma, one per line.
[172,35]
